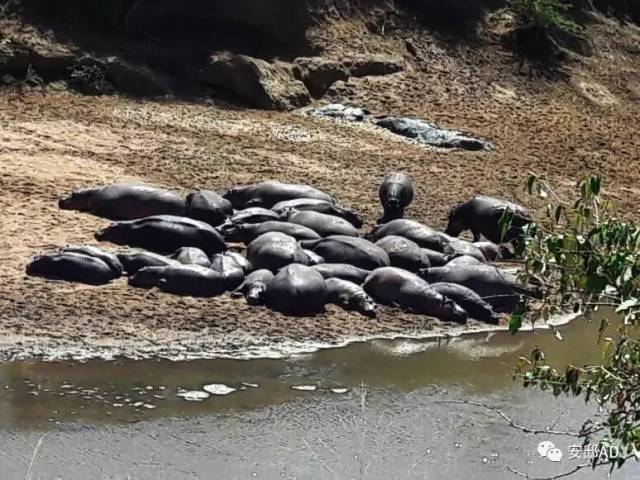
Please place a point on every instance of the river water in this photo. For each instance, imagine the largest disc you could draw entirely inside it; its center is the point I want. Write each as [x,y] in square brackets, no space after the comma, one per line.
[379,410]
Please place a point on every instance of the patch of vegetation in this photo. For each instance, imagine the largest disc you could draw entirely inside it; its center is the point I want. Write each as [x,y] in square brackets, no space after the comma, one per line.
[548,15]
[584,257]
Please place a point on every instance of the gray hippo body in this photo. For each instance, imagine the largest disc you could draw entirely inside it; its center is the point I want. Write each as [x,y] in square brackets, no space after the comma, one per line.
[109,258]
[314,258]
[227,266]
[403,253]
[275,250]
[254,287]
[297,290]
[320,206]
[321,223]
[463,261]
[482,216]
[267,194]
[349,296]
[124,202]
[343,271]
[457,247]
[436,259]
[191,256]
[135,261]
[469,300]
[184,280]
[352,250]
[253,215]
[399,288]
[247,232]
[209,207]
[164,234]
[71,267]
[501,291]
[494,252]
[396,194]
[425,237]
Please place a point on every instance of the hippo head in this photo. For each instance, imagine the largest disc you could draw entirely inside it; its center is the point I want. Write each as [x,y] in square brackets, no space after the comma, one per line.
[256,294]
[364,304]
[114,233]
[450,311]
[455,225]
[147,277]
[78,200]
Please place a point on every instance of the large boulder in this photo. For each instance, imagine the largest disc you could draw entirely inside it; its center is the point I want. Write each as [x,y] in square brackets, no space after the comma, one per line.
[270,86]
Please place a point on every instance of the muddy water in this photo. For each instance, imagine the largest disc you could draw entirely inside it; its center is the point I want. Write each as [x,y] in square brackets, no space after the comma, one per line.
[371,410]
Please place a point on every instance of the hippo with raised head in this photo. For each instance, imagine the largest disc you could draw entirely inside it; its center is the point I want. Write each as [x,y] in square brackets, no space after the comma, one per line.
[164,234]
[399,288]
[275,250]
[404,253]
[109,258]
[356,251]
[191,256]
[498,289]
[72,267]
[254,287]
[135,261]
[425,237]
[396,194]
[349,296]
[320,206]
[186,280]
[247,232]
[482,216]
[343,271]
[254,215]
[297,290]
[321,223]
[469,300]
[209,207]
[267,194]
[124,202]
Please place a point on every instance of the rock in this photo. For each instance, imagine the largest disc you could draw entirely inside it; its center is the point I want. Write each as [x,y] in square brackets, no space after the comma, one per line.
[270,86]
[430,134]
[135,79]
[319,73]
[340,112]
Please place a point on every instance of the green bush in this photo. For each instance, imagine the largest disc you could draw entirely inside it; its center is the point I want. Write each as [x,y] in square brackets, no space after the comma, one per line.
[547,15]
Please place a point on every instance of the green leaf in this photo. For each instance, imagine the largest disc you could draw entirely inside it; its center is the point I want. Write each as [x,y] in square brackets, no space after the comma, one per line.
[515,322]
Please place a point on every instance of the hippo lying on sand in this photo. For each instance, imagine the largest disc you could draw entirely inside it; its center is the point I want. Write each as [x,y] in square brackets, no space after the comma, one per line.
[231,270]
[342,249]
[254,287]
[297,290]
[404,253]
[186,280]
[109,258]
[267,194]
[343,271]
[247,232]
[209,207]
[164,234]
[399,288]
[469,300]
[321,223]
[72,267]
[482,216]
[275,250]
[349,296]
[320,206]
[124,202]
[191,256]
[396,194]
[425,237]
[135,261]
[253,215]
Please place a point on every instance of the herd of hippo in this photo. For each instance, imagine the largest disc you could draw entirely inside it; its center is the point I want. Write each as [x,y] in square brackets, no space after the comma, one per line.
[303,250]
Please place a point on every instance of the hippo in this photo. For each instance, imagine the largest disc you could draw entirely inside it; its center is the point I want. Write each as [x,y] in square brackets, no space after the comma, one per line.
[227,266]
[320,206]
[107,257]
[457,247]
[356,251]
[349,296]
[275,250]
[463,261]
[191,256]
[254,215]
[436,259]
[493,252]
[240,260]
[72,267]
[425,237]
[164,234]
[209,207]
[399,288]
[297,290]
[135,261]
[314,258]
[469,300]
[321,223]
[267,194]
[247,232]
[254,287]
[343,271]
[185,280]
[404,253]
[482,216]
[124,202]
[396,194]
[501,291]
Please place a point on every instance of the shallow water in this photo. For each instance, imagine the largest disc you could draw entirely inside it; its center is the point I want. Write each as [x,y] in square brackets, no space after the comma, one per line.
[370,410]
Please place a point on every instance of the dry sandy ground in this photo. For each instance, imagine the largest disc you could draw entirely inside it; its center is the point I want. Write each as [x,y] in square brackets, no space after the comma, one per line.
[51,143]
